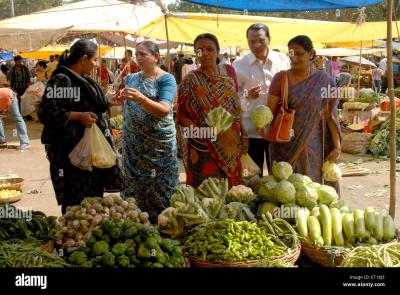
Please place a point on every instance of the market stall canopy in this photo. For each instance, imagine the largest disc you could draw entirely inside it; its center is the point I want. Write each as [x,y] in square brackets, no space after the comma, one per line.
[231,29]
[88,16]
[28,39]
[118,39]
[356,44]
[348,51]
[285,5]
[45,52]
[356,60]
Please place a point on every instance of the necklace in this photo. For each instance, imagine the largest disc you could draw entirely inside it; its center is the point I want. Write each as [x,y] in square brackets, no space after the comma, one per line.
[151,76]
[297,80]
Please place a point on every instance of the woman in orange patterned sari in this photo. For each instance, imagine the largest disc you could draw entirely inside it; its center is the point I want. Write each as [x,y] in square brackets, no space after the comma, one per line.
[203,90]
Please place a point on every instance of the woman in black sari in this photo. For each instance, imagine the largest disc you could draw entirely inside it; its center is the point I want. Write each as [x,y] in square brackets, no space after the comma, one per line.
[73,101]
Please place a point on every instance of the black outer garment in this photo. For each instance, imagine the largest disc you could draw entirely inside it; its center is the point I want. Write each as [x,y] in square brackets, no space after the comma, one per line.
[60,136]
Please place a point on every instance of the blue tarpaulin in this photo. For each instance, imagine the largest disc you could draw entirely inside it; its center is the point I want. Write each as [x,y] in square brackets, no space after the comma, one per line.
[6,55]
[285,5]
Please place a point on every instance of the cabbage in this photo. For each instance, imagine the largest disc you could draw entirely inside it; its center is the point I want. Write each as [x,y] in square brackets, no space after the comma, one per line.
[327,194]
[220,119]
[299,180]
[282,170]
[265,190]
[331,171]
[266,207]
[264,180]
[307,196]
[261,116]
[314,185]
[285,192]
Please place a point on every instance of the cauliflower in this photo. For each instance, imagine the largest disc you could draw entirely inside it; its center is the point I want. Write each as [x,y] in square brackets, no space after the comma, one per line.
[240,193]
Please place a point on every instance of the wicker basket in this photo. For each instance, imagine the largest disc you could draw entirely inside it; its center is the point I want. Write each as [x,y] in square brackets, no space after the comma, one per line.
[13,199]
[12,183]
[290,257]
[322,256]
[48,246]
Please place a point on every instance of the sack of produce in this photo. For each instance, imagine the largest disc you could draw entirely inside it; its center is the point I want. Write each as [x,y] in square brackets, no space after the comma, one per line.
[356,143]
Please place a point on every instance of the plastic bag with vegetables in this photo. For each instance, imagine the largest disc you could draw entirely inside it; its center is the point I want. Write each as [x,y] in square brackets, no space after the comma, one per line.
[249,167]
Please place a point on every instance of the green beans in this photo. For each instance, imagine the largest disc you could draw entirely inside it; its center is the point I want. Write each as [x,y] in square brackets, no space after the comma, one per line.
[27,255]
[385,255]
[228,240]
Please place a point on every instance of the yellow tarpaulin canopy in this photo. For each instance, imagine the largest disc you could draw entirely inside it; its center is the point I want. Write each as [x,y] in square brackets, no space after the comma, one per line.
[231,29]
[356,44]
[45,52]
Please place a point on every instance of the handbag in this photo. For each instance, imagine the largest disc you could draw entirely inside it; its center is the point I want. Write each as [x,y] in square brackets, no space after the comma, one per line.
[281,129]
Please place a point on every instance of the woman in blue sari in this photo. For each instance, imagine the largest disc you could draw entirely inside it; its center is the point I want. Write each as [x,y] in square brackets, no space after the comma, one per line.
[149,151]
[317,134]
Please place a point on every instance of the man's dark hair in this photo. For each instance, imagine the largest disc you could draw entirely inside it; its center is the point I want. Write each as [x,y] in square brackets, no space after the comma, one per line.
[17,58]
[56,57]
[257,27]
[4,69]
[130,51]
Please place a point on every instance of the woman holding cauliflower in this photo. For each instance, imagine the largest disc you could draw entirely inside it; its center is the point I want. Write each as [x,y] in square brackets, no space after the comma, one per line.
[317,133]
[210,87]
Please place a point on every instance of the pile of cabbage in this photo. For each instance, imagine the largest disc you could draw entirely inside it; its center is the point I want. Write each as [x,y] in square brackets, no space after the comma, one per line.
[285,189]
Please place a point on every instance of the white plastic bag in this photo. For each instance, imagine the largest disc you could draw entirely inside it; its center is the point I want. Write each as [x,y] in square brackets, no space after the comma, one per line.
[81,155]
[103,156]
[249,167]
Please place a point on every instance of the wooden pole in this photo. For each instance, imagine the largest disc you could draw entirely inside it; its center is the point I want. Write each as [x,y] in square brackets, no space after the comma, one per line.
[393,136]
[100,59]
[167,35]
[359,70]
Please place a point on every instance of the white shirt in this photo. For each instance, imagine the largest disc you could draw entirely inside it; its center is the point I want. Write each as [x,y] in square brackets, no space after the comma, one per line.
[250,72]
[383,64]
[225,61]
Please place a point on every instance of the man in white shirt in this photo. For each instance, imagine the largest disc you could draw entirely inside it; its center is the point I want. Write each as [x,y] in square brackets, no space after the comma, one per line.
[225,60]
[255,72]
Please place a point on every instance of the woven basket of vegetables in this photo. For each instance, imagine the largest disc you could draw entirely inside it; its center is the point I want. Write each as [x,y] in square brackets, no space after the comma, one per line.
[327,256]
[228,243]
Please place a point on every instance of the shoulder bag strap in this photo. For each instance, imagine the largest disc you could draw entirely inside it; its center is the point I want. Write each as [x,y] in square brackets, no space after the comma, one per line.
[284,91]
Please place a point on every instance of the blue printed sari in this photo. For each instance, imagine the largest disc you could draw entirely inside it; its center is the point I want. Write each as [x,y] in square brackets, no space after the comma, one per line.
[149,151]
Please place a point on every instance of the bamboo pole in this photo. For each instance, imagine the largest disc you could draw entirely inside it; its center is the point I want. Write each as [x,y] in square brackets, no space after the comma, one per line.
[167,35]
[100,59]
[393,137]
